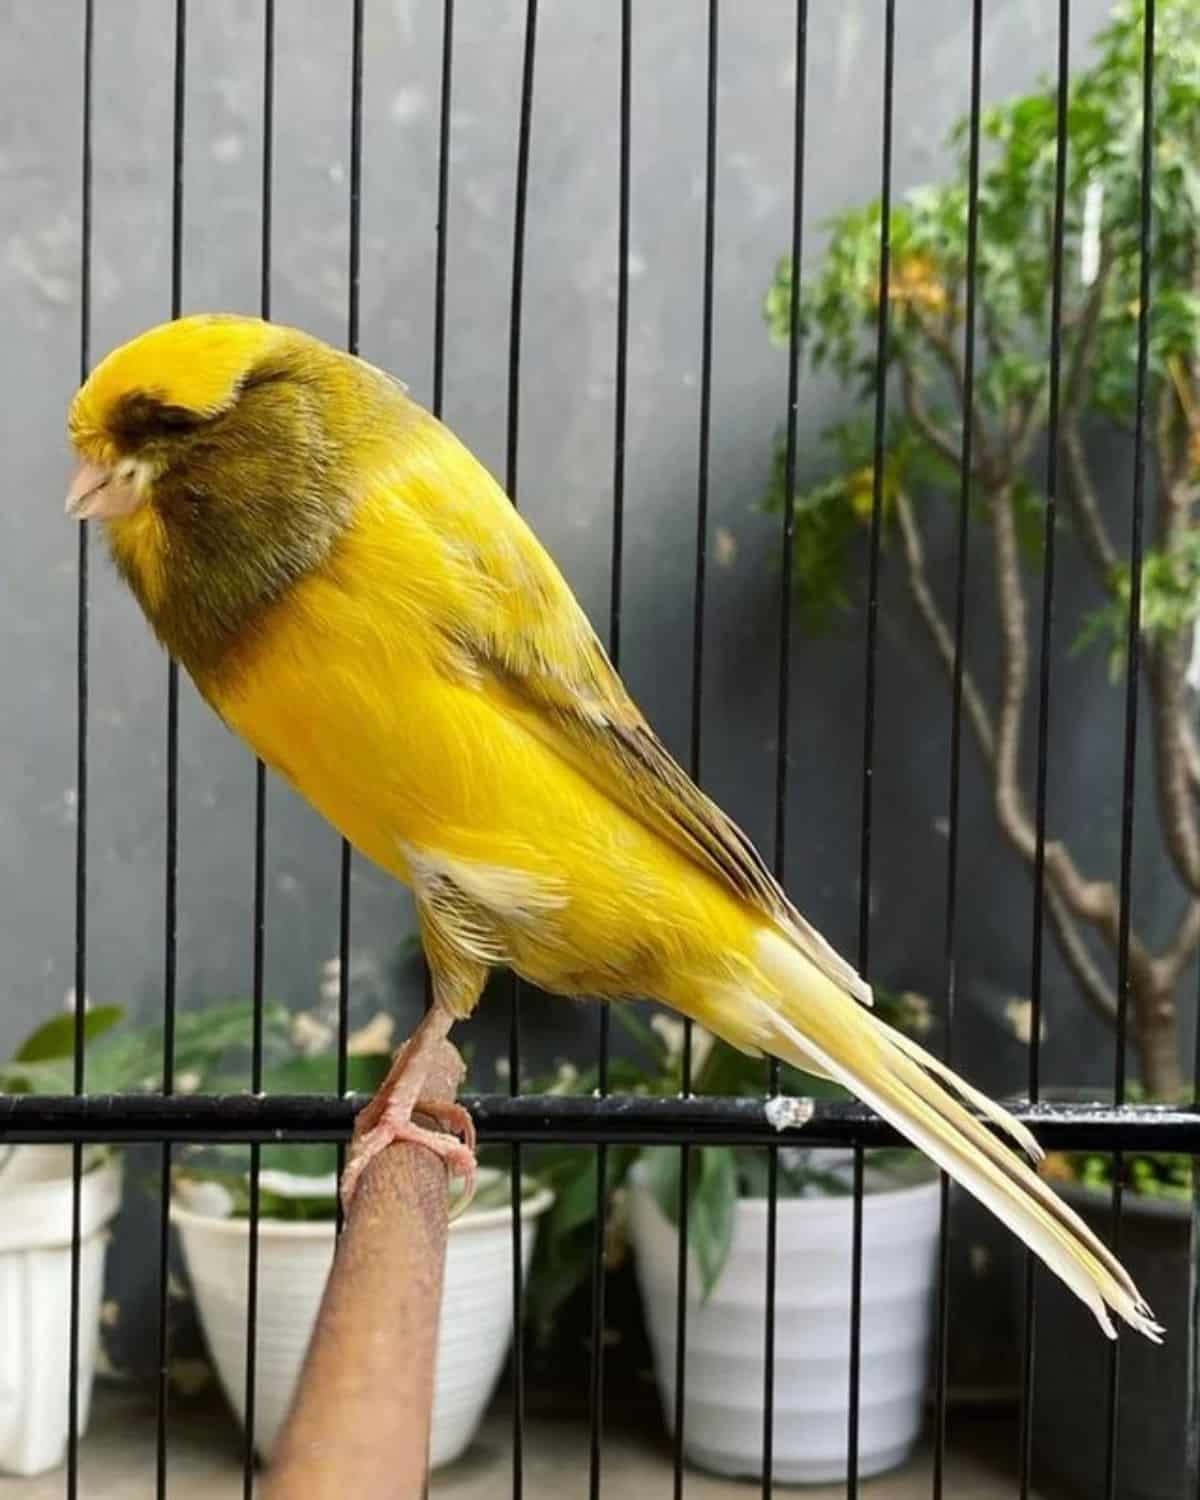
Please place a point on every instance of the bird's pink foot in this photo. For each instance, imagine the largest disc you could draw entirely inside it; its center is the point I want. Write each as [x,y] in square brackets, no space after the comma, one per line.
[395,1123]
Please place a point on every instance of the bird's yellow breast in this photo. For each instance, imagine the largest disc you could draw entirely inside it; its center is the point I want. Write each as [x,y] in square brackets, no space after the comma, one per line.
[344,692]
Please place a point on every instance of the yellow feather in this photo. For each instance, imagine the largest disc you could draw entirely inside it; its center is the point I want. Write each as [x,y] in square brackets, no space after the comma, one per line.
[427,680]
[195,362]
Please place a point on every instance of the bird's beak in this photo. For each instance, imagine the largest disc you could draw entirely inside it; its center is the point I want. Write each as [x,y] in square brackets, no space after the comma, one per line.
[96,492]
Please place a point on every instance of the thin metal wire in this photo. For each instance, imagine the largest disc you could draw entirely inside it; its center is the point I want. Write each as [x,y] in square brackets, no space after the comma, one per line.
[1049,531]
[697,701]
[783,721]
[870,684]
[1193,1375]
[81,768]
[600,1219]
[439,290]
[1132,677]
[956,718]
[443,202]
[171,872]
[524,130]
[880,437]
[706,380]
[258,960]
[354,280]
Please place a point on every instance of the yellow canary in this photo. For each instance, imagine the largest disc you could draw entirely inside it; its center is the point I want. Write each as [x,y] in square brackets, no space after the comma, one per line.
[355,596]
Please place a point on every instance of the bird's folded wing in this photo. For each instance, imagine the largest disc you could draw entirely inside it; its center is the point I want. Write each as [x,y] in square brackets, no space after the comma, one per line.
[525,638]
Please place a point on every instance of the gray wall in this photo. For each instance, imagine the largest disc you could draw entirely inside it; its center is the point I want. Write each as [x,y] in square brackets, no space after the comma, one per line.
[566,459]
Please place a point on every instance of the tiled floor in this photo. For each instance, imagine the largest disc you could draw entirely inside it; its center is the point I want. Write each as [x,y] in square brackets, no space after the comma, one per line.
[117,1462]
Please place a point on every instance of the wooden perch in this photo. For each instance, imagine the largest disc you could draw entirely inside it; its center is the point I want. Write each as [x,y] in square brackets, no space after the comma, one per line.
[359,1421]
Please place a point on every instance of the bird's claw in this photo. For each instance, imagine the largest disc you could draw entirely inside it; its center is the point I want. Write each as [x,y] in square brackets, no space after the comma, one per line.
[458,1155]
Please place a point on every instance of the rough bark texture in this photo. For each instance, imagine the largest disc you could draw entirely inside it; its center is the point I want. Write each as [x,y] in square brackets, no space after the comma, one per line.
[359,1422]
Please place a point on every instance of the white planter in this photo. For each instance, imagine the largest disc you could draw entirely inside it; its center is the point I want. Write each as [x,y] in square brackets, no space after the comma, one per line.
[35,1298]
[294,1261]
[723,1413]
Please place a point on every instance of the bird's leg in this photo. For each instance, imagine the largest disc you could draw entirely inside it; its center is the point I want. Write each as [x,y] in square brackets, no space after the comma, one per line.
[389,1115]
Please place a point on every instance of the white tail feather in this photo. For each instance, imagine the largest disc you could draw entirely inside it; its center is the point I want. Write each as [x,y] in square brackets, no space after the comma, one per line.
[816,1023]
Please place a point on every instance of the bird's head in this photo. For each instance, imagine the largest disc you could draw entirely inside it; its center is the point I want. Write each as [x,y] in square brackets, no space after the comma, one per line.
[221,453]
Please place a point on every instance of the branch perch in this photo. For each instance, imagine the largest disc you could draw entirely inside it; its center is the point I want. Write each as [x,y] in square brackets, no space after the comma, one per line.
[359,1421]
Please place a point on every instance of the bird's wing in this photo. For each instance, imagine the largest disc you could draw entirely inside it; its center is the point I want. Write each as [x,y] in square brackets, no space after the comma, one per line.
[514,624]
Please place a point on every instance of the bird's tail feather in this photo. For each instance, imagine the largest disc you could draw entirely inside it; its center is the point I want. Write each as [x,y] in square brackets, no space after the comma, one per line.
[818,1028]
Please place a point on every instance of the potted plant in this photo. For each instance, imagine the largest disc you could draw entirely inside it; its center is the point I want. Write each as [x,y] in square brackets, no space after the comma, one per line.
[36,1217]
[1153,1411]
[837,318]
[297,1209]
[727,1188]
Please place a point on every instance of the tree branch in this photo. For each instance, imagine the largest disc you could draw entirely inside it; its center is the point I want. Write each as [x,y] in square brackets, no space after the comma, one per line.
[1167,664]
[951,358]
[943,640]
[1085,505]
[1086,325]
[924,421]
[1074,951]
[1033,415]
[1090,900]
[1071,943]
[1171,462]
[1191,752]
[1169,966]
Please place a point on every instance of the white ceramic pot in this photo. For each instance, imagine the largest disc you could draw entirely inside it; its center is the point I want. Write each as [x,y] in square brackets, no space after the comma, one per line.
[35,1298]
[294,1261]
[723,1412]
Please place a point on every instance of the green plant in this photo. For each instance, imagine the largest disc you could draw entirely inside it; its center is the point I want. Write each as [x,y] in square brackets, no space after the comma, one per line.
[837,313]
[297,1179]
[717,1175]
[1162,1174]
[119,1058]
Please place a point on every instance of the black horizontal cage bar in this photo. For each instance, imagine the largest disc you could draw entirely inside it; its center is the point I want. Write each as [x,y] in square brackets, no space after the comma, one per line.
[535,1118]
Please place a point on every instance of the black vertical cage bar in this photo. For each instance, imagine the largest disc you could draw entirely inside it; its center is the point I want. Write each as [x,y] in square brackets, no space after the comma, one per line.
[1132,678]
[83,603]
[439,284]
[870,675]
[1193,1375]
[783,698]
[521,195]
[941,1356]
[697,705]
[353,320]
[620,412]
[443,206]
[171,872]
[258,955]
[1049,532]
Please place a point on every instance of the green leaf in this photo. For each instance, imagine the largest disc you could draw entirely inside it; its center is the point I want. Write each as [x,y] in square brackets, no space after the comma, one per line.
[56,1037]
[301,1158]
[661,1167]
[1029,516]
[123,1059]
[317,1075]
[54,1077]
[712,1201]
[711,1213]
